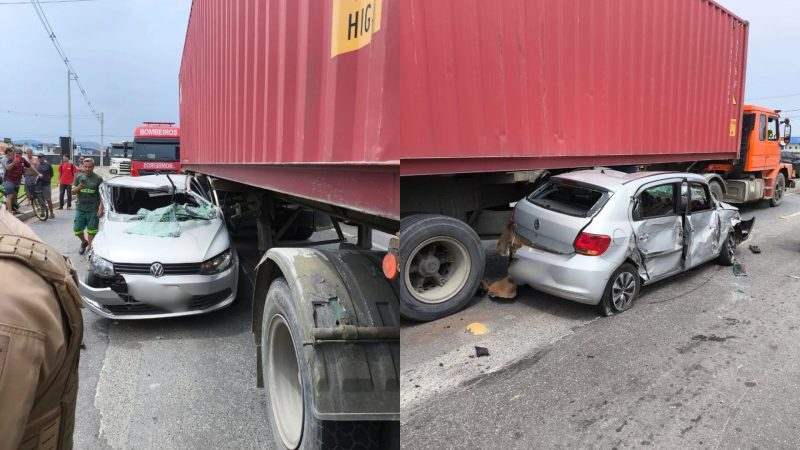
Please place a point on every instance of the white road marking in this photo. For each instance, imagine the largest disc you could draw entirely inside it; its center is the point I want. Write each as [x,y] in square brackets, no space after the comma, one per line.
[791,215]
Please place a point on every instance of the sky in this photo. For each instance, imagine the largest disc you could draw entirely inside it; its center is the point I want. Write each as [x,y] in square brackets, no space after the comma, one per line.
[127,54]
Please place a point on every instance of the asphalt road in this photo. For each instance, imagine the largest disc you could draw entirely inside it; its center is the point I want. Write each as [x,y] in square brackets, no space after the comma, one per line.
[703,360]
[185,383]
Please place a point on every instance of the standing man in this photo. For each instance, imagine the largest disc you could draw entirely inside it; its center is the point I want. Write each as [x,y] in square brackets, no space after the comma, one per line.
[31,175]
[41,329]
[13,177]
[66,175]
[46,170]
[89,208]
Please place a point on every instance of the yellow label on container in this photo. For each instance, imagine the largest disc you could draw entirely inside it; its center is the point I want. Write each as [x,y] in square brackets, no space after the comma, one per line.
[733,127]
[353,24]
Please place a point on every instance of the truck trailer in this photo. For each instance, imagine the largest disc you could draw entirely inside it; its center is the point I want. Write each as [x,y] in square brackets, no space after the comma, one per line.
[288,113]
[496,96]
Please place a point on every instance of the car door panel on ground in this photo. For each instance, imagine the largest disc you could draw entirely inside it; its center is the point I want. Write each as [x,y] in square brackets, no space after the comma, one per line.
[658,230]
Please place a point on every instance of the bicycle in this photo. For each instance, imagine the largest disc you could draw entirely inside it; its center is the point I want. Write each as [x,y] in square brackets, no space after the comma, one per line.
[38,202]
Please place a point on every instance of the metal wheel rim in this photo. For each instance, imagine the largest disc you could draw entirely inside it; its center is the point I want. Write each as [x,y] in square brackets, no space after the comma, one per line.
[284,384]
[779,190]
[455,272]
[622,290]
[731,247]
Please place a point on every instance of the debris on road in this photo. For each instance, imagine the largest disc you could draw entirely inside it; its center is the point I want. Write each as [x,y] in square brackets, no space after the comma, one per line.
[793,277]
[739,270]
[504,288]
[477,329]
[481,351]
[731,321]
[755,249]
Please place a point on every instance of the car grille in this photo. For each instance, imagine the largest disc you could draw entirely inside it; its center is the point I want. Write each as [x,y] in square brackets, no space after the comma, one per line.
[169,269]
[132,307]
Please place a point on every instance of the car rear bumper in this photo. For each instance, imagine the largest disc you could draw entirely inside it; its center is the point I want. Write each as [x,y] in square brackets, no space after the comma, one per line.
[574,277]
[146,297]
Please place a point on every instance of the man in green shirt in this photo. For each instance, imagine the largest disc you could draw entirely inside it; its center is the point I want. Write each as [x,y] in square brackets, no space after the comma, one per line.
[89,207]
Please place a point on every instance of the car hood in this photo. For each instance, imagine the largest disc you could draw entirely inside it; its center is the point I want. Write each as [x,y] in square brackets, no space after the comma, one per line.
[199,241]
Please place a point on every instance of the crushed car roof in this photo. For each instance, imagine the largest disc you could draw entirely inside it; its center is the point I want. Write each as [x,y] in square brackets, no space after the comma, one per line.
[614,179]
[148,181]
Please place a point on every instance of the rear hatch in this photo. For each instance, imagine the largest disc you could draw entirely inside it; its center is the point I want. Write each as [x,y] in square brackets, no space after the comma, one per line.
[554,214]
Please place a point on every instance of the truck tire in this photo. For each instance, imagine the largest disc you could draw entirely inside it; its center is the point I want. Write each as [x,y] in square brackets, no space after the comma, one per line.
[288,385]
[441,265]
[777,193]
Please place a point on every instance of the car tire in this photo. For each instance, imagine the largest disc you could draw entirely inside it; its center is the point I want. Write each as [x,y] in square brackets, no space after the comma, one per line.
[621,291]
[461,262]
[779,191]
[727,251]
[286,371]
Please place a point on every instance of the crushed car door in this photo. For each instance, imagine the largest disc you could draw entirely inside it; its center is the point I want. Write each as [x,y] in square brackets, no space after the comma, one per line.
[658,230]
[703,226]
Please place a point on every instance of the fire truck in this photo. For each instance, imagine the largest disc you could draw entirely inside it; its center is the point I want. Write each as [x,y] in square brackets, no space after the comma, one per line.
[156,149]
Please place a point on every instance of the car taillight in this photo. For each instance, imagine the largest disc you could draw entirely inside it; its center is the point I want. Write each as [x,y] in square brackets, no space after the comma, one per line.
[591,244]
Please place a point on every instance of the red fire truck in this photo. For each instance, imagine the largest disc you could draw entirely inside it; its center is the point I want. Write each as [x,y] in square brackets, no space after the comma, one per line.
[156,149]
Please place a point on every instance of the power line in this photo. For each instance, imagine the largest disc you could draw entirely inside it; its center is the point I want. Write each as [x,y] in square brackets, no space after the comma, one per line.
[36,114]
[45,1]
[46,23]
[774,96]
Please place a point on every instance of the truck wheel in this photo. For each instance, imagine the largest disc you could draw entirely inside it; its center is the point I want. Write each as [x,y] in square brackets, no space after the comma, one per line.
[716,190]
[777,193]
[727,253]
[288,385]
[441,264]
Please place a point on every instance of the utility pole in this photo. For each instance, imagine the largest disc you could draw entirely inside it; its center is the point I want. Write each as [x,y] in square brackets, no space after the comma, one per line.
[69,113]
[101,140]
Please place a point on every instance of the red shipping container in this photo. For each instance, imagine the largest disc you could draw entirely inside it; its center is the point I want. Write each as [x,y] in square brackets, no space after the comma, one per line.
[276,94]
[520,84]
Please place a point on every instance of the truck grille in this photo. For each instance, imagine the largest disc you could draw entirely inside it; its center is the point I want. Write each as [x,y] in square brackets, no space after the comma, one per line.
[125,168]
[169,269]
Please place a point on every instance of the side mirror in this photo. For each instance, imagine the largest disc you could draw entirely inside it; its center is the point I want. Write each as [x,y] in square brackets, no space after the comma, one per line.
[787,132]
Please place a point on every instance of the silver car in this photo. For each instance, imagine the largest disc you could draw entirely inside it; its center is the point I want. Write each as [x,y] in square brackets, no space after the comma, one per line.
[597,236]
[162,251]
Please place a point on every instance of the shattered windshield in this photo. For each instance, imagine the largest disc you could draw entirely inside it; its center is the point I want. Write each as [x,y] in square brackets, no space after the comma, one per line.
[155,212]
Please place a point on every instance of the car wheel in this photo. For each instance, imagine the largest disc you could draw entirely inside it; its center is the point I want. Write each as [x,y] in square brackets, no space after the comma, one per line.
[621,290]
[777,194]
[288,385]
[441,265]
[727,253]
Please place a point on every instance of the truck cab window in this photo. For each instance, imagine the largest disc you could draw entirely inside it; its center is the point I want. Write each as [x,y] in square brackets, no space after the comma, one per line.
[762,127]
[772,128]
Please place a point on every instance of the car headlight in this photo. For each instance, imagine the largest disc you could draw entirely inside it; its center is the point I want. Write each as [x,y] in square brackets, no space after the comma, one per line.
[218,263]
[101,267]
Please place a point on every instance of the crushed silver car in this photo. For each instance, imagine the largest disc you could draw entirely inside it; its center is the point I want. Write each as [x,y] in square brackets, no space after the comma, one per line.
[597,236]
[162,251]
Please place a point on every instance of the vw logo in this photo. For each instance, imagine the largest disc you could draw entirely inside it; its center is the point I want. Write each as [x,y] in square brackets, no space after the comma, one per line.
[157,269]
[535,227]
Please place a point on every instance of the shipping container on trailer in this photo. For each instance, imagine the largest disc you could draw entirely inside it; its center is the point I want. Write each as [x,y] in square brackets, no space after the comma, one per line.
[290,120]
[496,96]
[532,84]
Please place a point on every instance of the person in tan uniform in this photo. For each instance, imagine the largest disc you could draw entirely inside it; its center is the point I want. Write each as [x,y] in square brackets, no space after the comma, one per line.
[41,329]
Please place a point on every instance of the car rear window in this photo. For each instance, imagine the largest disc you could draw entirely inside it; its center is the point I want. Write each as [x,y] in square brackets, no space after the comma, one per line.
[569,198]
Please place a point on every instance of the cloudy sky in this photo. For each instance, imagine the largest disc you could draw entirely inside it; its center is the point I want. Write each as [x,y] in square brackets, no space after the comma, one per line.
[127,54]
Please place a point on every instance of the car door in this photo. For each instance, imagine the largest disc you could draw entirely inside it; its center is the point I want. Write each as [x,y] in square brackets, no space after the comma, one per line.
[703,226]
[658,229]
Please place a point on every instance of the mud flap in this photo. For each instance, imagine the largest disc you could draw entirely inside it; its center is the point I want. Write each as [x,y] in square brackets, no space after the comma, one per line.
[742,230]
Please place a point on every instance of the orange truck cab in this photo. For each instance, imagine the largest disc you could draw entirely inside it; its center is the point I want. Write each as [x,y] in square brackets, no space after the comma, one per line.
[758,173]
[156,149]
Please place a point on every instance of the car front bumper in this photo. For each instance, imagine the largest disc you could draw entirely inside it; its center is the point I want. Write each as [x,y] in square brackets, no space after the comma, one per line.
[575,277]
[147,297]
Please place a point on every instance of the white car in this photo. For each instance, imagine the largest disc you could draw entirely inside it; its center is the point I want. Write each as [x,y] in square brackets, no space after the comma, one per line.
[162,251]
